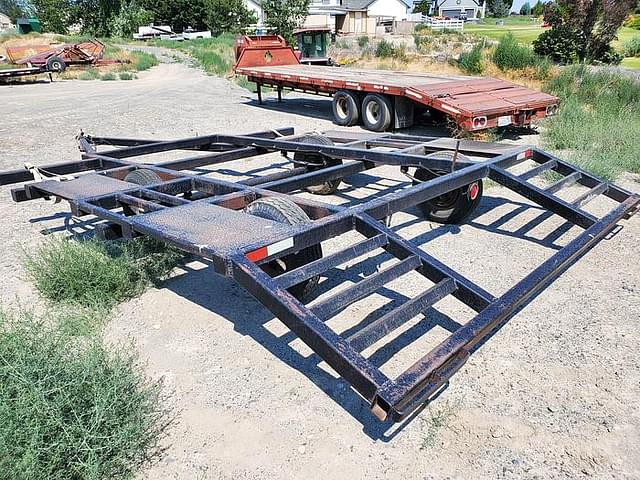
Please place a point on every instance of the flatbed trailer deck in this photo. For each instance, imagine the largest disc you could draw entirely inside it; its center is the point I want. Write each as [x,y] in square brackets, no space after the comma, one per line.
[268,238]
[383,99]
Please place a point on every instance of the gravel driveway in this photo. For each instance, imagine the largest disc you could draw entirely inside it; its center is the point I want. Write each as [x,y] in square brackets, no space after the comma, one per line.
[553,395]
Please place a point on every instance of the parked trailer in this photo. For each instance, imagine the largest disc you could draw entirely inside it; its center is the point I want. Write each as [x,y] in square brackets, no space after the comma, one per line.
[269,240]
[58,58]
[381,99]
[21,72]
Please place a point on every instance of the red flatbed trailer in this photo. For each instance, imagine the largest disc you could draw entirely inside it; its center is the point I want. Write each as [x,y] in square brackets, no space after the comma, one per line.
[382,99]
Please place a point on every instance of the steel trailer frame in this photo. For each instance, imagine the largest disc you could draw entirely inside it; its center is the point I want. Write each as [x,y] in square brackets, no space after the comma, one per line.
[204,216]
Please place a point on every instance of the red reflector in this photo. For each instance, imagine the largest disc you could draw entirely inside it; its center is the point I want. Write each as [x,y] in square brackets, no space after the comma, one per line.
[258,254]
[474,189]
[528,153]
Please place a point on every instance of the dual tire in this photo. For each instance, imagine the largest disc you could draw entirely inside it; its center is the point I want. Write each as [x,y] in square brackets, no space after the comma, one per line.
[374,110]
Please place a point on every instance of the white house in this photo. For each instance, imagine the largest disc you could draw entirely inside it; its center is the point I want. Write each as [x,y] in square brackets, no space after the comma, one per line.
[356,16]
[5,22]
[456,8]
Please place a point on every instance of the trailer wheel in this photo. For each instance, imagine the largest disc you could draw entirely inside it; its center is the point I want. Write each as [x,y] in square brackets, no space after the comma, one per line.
[346,108]
[285,211]
[376,112]
[326,188]
[56,64]
[452,207]
[141,176]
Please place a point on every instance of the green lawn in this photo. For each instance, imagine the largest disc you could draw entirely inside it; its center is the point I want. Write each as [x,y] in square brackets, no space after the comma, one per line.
[631,63]
[526,31]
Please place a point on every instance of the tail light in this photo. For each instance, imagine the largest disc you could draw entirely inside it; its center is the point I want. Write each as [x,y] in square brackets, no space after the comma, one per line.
[479,122]
[552,110]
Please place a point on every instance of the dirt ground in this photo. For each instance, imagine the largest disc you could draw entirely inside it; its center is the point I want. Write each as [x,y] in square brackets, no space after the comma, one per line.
[553,395]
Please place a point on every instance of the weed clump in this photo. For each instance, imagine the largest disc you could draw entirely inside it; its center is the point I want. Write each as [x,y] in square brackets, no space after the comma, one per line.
[598,121]
[142,60]
[510,55]
[631,48]
[96,273]
[70,408]
[471,62]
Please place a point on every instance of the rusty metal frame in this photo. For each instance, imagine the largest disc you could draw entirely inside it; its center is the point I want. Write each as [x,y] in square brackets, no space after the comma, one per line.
[182,194]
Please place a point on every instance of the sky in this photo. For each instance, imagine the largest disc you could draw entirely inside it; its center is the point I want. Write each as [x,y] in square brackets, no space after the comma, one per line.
[518,3]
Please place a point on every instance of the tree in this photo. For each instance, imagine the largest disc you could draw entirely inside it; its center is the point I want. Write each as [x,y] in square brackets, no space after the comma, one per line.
[285,16]
[525,9]
[229,16]
[55,15]
[499,8]
[15,9]
[131,16]
[423,7]
[97,16]
[587,26]
[538,8]
[178,14]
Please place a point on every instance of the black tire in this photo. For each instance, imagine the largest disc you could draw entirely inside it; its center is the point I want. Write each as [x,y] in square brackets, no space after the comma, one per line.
[141,176]
[376,112]
[56,64]
[452,207]
[346,108]
[326,188]
[285,211]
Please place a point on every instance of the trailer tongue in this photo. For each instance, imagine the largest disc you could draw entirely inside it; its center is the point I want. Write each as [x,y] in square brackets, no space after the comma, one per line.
[260,233]
[382,99]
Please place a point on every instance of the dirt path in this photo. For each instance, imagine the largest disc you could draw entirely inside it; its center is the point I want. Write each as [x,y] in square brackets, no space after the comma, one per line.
[553,395]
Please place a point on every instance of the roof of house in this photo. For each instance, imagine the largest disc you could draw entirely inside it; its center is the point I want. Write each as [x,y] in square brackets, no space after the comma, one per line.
[4,18]
[364,4]
[438,3]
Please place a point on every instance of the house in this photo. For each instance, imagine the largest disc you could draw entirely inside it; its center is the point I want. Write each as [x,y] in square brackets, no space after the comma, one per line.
[356,16]
[5,22]
[458,8]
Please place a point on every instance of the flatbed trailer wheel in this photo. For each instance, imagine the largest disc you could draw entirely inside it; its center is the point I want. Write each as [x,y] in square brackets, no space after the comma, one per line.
[326,188]
[285,211]
[452,207]
[56,64]
[376,112]
[141,176]
[346,108]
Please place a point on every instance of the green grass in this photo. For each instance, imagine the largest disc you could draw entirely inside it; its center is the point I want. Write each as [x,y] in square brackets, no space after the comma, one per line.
[633,63]
[214,55]
[98,274]
[70,407]
[524,30]
[126,76]
[471,62]
[89,74]
[108,76]
[142,60]
[599,121]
